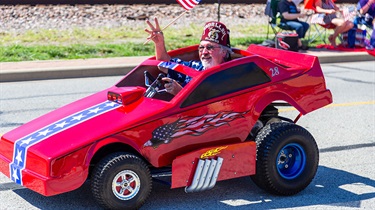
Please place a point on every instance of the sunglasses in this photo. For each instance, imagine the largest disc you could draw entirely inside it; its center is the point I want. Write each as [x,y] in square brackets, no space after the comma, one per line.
[209,48]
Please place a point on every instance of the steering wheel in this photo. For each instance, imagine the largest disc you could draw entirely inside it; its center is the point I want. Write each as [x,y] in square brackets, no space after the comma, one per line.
[154,85]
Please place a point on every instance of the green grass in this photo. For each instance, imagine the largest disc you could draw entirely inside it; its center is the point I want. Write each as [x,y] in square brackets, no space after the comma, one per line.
[108,42]
[74,51]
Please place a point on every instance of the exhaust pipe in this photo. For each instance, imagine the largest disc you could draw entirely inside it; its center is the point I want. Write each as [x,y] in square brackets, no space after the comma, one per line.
[205,175]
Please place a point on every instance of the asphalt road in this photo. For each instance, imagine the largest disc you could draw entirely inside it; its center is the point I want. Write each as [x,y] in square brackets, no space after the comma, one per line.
[344,131]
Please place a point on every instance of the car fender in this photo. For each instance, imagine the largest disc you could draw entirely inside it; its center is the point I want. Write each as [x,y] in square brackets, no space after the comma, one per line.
[109,145]
[270,97]
[73,168]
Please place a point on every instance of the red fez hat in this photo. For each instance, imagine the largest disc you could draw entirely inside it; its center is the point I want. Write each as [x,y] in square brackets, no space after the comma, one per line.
[216,32]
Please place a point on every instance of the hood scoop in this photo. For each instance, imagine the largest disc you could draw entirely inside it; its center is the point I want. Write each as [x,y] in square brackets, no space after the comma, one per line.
[126,95]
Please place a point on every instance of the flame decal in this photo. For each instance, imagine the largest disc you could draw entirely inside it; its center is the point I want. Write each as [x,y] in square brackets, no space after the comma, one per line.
[194,126]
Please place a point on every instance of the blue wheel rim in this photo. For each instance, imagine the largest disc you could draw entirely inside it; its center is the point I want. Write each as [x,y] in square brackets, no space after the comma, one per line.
[291,161]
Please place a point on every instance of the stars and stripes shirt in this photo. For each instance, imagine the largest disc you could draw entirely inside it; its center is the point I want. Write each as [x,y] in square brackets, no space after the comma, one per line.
[182,78]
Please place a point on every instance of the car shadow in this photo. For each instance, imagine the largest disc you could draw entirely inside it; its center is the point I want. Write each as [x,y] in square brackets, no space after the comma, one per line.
[330,186]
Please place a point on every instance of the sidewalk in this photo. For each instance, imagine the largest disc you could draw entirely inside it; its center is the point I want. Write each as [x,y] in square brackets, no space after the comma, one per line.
[40,70]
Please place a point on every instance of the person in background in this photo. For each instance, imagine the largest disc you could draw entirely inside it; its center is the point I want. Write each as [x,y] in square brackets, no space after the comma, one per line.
[366,9]
[329,8]
[214,49]
[289,16]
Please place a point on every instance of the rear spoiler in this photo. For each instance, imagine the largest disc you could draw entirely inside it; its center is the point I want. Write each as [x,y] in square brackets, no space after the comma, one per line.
[284,57]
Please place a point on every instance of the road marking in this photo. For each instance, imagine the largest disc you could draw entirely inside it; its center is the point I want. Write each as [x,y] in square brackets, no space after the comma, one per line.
[359,103]
[352,103]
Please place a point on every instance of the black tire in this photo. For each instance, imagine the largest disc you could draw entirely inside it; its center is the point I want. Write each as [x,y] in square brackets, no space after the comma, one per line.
[287,158]
[112,169]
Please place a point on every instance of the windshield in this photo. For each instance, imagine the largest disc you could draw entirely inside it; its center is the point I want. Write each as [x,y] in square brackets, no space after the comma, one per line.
[137,76]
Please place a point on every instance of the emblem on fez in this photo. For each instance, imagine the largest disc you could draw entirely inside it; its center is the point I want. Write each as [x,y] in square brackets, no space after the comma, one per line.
[214,34]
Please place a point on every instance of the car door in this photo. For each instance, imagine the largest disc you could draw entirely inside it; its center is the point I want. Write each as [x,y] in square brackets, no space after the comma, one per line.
[212,114]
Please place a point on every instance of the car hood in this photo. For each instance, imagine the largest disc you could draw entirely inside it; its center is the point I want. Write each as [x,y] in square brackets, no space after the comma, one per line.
[82,122]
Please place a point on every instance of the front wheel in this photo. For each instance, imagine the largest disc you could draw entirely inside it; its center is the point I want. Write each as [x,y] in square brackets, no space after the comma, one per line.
[287,158]
[121,181]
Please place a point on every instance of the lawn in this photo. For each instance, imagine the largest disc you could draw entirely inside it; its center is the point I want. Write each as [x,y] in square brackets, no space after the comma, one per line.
[109,42]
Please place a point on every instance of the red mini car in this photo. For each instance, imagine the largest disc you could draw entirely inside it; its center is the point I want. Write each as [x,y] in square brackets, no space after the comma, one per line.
[224,124]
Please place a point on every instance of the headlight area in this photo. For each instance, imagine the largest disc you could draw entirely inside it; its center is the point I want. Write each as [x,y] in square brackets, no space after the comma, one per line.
[73,164]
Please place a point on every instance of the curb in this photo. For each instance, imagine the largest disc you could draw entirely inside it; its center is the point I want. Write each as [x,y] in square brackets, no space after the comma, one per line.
[338,57]
[65,73]
[82,71]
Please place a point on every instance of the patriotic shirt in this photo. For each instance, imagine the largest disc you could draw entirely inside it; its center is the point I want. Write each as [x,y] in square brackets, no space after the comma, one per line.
[183,79]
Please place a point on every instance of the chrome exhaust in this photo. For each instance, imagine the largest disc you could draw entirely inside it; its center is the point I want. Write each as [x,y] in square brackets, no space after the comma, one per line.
[205,175]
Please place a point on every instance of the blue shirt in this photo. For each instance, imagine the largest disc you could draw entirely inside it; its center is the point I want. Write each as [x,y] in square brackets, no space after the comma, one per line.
[183,79]
[286,6]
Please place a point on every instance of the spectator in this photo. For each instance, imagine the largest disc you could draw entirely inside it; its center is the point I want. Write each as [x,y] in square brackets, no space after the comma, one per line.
[289,16]
[214,49]
[329,8]
[366,9]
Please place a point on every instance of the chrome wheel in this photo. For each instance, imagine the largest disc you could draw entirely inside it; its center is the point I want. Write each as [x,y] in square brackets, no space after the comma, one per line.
[126,185]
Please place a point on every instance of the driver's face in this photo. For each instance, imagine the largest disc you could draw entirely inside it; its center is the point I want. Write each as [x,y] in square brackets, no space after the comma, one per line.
[211,54]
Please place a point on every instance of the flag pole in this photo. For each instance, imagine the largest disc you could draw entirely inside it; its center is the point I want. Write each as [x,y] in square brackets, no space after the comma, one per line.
[148,40]
[218,11]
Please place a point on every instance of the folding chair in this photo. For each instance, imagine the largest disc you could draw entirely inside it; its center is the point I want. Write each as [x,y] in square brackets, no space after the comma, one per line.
[321,31]
[274,18]
[316,21]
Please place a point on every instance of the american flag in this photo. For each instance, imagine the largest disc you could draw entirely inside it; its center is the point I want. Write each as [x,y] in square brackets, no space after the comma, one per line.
[188,4]
[22,145]
[194,126]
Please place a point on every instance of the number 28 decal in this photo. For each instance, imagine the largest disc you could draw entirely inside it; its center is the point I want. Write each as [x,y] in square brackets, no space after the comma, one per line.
[274,71]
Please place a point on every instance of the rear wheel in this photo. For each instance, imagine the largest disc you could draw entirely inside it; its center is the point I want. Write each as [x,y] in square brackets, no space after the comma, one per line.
[121,181]
[287,158]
